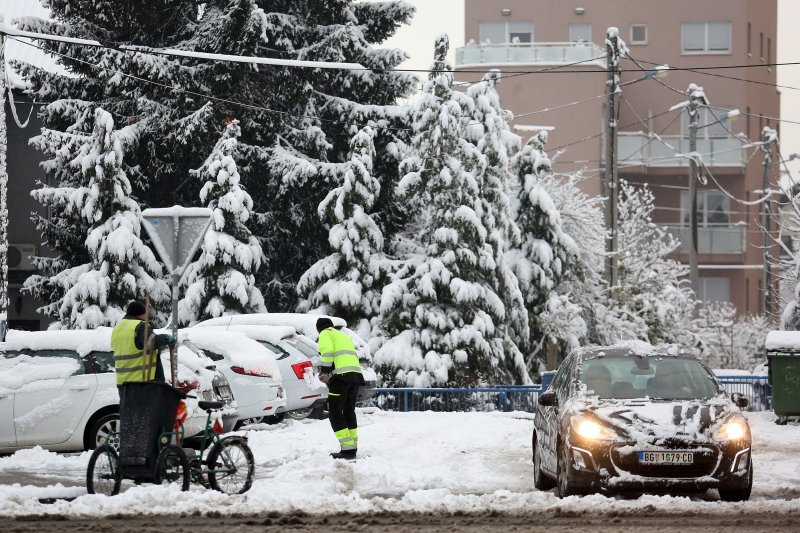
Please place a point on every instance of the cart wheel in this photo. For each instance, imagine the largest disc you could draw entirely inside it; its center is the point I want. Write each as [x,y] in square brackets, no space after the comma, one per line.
[103,475]
[172,466]
[782,420]
[231,466]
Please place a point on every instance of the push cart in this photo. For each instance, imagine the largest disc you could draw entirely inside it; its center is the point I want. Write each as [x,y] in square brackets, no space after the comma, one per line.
[151,450]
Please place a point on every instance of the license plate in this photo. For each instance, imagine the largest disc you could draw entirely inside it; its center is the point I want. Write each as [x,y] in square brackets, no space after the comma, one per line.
[224,391]
[666,458]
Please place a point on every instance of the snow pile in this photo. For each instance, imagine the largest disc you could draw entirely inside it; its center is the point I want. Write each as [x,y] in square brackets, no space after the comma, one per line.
[783,340]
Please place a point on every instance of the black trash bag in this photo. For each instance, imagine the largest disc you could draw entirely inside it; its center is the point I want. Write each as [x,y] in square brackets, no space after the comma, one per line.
[146,410]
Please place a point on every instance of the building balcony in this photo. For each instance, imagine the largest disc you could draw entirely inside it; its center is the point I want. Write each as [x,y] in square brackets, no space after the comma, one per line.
[531,54]
[639,148]
[711,240]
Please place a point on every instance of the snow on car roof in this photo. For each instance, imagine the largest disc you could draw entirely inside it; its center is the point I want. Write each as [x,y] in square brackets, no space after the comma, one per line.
[81,341]
[273,334]
[303,323]
[236,346]
[731,372]
[777,340]
[634,347]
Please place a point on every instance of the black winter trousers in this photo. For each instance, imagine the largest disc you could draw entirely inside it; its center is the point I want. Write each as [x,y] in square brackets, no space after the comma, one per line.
[342,397]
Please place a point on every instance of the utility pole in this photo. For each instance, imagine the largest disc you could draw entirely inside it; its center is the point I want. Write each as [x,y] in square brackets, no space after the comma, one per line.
[3,194]
[770,139]
[697,98]
[613,55]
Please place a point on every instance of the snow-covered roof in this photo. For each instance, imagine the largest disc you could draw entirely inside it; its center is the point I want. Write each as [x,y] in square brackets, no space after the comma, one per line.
[788,340]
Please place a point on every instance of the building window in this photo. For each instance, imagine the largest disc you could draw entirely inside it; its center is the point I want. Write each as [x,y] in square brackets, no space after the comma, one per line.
[504,32]
[761,45]
[769,51]
[749,39]
[706,37]
[580,33]
[709,126]
[715,290]
[713,208]
[638,34]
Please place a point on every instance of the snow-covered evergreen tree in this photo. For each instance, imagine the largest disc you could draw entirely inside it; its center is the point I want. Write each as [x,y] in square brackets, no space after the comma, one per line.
[348,282]
[545,253]
[121,268]
[442,311]
[222,281]
[295,121]
[490,132]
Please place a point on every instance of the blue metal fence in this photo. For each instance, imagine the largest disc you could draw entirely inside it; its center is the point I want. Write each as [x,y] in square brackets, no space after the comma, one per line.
[524,397]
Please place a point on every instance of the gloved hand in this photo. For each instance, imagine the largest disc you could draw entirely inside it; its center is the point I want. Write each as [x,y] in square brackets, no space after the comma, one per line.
[171,338]
[324,377]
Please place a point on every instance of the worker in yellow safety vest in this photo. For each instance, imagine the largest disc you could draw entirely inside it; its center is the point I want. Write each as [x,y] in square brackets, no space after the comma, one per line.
[340,361]
[132,362]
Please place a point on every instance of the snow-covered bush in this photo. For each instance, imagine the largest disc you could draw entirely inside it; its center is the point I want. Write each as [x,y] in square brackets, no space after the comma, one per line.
[348,282]
[442,312]
[728,341]
[221,281]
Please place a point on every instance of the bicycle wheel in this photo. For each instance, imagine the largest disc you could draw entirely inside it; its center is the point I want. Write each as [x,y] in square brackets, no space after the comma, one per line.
[231,466]
[172,466]
[103,475]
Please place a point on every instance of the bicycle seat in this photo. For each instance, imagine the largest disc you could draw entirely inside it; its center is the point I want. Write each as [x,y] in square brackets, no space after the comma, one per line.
[209,406]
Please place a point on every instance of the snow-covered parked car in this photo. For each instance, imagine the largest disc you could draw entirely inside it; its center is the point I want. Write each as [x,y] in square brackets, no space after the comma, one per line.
[633,417]
[303,389]
[250,368]
[306,327]
[58,390]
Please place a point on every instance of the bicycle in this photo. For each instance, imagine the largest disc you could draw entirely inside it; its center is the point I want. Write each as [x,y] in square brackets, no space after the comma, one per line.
[229,466]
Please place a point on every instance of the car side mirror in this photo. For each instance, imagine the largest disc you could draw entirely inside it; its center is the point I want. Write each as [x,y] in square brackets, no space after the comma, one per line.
[739,400]
[548,398]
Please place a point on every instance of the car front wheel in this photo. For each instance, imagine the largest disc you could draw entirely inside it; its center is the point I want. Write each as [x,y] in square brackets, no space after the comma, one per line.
[540,480]
[738,494]
[564,485]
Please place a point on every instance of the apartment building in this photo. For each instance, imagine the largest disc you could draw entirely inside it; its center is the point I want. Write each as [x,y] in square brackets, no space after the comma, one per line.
[521,36]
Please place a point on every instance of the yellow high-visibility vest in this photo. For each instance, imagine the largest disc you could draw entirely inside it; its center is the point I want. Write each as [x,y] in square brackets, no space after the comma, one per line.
[337,349]
[131,364]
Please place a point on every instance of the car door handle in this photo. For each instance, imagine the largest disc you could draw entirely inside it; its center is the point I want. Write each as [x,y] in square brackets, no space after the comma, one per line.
[79,387]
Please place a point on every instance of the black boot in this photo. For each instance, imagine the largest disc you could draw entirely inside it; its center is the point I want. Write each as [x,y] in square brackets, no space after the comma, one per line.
[346,454]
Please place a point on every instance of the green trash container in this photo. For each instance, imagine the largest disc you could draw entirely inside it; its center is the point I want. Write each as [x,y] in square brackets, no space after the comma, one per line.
[784,378]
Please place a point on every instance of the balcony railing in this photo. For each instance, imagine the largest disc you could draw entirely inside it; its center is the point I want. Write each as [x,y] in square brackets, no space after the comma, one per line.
[531,54]
[712,240]
[647,150]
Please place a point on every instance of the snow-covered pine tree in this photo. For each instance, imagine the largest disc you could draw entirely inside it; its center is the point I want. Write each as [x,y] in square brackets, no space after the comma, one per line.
[489,131]
[442,311]
[221,281]
[64,230]
[291,118]
[348,282]
[122,268]
[546,251]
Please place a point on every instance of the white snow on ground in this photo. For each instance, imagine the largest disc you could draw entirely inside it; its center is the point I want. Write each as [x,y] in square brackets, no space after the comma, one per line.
[440,462]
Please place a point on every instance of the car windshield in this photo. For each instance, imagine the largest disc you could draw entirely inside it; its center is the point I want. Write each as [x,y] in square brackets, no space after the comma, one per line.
[630,377]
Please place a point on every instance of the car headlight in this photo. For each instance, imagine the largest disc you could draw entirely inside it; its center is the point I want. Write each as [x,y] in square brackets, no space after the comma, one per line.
[735,428]
[591,429]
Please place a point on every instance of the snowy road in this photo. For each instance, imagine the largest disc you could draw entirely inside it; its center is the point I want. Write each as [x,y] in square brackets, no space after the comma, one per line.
[425,462]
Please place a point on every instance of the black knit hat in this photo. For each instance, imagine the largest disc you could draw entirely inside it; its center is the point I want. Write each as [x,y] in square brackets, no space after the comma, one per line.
[323,322]
[135,308]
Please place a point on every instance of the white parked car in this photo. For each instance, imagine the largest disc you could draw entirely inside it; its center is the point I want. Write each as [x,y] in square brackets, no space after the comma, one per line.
[304,390]
[58,390]
[250,368]
[306,327]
